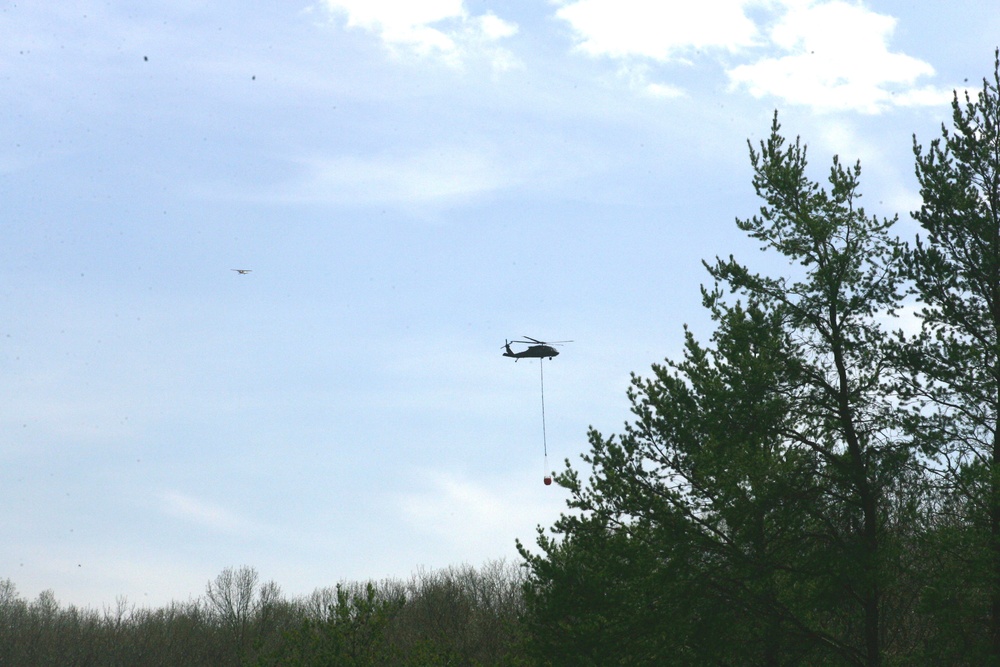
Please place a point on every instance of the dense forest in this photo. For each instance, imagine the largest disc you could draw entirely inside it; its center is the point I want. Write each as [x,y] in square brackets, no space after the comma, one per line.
[816,484]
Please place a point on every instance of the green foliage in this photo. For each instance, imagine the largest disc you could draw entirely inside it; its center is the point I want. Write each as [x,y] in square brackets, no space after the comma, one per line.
[805,489]
[352,635]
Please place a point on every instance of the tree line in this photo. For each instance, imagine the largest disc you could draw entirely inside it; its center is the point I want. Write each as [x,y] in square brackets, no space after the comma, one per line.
[455,616]
[815,484]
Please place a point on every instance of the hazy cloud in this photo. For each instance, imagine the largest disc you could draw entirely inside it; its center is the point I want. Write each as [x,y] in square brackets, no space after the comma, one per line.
[206,514]
[638,77]
[469,514]
[438,175]
[433,176]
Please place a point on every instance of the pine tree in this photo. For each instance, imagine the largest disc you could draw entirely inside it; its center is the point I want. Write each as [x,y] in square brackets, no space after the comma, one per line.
[955,361]
[761,480]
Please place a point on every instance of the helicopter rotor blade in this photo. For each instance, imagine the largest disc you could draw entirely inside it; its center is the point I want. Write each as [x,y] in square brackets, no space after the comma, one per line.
[541,342]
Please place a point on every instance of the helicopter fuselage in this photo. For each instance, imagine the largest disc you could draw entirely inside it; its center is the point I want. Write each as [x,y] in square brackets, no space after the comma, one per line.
[535,351]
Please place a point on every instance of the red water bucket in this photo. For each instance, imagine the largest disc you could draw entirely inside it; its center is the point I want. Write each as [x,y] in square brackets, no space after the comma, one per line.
[547,480]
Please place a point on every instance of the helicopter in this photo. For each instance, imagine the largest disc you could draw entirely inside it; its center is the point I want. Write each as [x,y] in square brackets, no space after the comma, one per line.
[538,349]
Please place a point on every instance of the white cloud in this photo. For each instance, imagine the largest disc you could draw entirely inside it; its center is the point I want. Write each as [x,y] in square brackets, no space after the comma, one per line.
[493,27]
[656,29]
[835,56]
[664,90]
[827,54]
[925,96]
[439,28]
[639,32]
[404,22]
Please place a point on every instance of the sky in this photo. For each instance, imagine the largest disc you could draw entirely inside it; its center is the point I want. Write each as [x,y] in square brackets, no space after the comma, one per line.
[411,183]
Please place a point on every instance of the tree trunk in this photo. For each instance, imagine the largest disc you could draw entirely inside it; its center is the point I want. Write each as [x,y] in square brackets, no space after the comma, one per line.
[859,474]
[995,547]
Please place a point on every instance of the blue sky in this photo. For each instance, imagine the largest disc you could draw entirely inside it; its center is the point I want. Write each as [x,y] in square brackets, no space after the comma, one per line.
[411,183]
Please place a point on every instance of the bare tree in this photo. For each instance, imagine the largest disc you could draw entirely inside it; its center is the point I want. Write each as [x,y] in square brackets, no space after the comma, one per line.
[242,606]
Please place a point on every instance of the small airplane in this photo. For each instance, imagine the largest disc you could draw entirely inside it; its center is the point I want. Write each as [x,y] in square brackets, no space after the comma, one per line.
[242,272]
[538,349]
